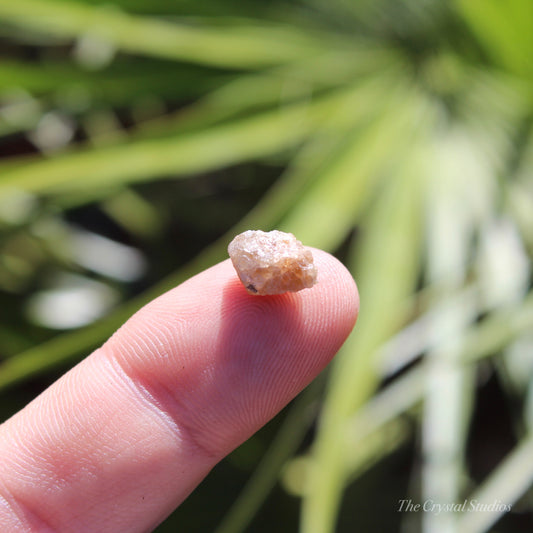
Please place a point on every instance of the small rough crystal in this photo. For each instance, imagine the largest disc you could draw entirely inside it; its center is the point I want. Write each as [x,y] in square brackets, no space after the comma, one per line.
[272,262]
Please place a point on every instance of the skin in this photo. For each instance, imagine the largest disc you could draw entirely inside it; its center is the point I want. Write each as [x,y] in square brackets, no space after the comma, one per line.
[120,441]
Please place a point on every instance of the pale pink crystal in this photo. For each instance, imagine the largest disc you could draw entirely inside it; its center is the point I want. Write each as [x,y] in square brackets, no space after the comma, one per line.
[272,263]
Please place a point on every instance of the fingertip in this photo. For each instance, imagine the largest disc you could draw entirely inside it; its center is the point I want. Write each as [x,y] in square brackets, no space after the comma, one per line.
[234,358]
[336,284]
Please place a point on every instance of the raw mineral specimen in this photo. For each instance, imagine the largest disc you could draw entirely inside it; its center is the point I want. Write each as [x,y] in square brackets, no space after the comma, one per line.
[272,262]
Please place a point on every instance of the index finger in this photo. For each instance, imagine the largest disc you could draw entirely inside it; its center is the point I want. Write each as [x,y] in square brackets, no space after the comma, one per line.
[120,440]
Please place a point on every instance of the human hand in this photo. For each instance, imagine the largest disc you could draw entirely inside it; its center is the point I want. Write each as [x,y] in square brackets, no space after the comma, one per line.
[121,440]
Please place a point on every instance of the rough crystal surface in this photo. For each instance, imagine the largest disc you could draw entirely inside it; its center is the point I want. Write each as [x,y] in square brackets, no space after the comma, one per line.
[272,262]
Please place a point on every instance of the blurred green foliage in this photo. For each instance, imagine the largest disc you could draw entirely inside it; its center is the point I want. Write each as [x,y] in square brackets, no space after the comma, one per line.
[139,136]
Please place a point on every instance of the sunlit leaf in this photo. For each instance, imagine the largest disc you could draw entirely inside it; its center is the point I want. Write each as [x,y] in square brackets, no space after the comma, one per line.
[251,45]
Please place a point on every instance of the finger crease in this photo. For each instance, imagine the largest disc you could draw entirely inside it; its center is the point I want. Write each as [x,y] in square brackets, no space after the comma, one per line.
[169,409]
